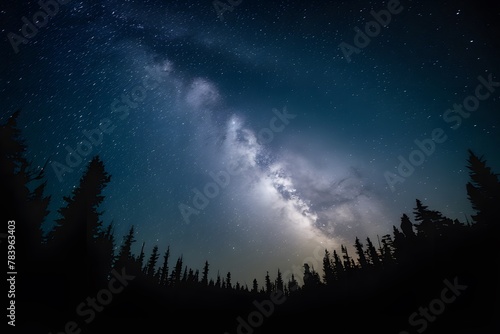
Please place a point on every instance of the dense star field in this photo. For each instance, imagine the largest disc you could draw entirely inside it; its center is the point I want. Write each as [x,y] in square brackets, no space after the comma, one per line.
[255,134]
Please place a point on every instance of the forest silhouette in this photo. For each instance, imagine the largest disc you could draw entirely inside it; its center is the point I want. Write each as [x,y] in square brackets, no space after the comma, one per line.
[78,277]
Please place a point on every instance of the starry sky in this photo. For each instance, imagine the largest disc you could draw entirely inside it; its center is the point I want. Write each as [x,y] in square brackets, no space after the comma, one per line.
[246,135]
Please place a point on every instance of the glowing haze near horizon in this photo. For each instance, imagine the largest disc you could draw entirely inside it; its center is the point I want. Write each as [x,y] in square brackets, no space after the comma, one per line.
[319,181]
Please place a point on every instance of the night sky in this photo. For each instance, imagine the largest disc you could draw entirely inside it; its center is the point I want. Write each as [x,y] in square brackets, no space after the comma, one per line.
[172,95]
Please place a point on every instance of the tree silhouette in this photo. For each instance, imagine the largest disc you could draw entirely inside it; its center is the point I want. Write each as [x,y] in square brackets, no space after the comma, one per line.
[78,232]
[429,222]
[125,257]
[347,260]
[151,266]
[28,207]
[204,279]
[255,286]
[175,277]
[328,269]
[139,266]
[269,286]
[483,191]
[279,282]
[311,277]
[401,245]
[407,227]
[228,280]
[361,254]
[338,266]
[164,269]
[293,285]
[387,250]
[218,281]
[372,254]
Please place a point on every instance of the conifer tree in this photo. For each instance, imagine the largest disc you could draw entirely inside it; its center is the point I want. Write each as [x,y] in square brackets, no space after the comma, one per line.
[218,281]
[292,284]
[269,287]
[140,267]
[204,279]
[175,277]
[361,254]
[279,282]
[75,238]
[151,266]
[164,269]
[347,259]
[338,266]
[28,208]
[372,253]
[125,254]
[255,286]
[483,191]
[328,269]
[407,227]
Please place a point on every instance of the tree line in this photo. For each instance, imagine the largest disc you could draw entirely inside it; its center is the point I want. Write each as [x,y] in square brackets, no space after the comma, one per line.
[81,252]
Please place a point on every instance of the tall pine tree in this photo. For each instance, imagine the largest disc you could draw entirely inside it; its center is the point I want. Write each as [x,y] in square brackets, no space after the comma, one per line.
[328,272]
[483,191]
[361,254]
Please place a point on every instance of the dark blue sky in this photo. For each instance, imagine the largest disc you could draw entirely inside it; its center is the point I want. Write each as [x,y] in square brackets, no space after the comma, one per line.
[180,96]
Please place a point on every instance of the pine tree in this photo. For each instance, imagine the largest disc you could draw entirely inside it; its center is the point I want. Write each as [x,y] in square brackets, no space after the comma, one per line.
[328,269]
[374,256]
[387,250]
[79,224]
[191,277]
[255,286]
[175,277]
[292,284]
[218,282]
[140,267]
[125,254]
[196,277]
[151,266]
[407,227]
[78,231]
[228,280]
[164,269]
[269,287]
[311,277]
[204,280]
[28,208]
[425,228]
[279,282]
[401,247]
[184,275]
[338,266]
[361,254]
[483,191]
[347,259]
